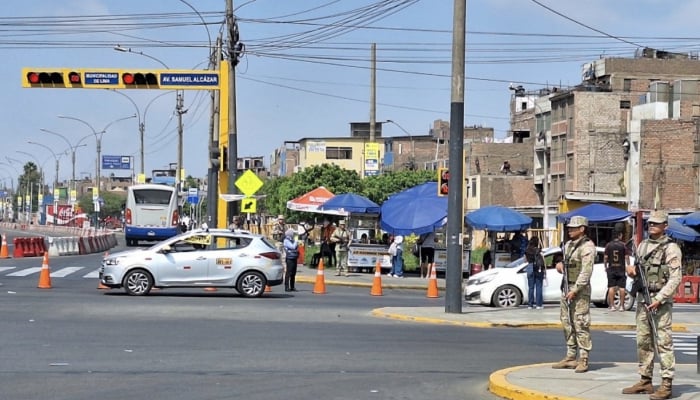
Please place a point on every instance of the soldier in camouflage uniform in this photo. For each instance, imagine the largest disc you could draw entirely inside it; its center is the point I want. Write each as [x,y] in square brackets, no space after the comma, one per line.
[663,272]
[575,314]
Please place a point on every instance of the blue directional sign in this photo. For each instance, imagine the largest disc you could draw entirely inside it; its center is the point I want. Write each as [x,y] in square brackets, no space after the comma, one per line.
[101,78]
[189,79]
[192,196]
[116,162]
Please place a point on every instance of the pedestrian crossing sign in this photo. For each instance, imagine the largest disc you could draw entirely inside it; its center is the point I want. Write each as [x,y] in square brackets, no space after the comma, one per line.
[249,205]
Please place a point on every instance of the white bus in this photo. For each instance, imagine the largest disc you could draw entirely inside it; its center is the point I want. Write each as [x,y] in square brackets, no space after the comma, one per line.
[150,213]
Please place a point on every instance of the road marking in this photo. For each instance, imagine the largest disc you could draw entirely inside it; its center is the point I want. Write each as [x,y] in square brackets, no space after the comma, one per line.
[682,342]
[25,272]
[63,272]
[93,274]
[3,269]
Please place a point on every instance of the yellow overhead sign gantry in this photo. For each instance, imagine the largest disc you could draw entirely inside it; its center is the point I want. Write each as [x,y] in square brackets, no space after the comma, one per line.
[114,78]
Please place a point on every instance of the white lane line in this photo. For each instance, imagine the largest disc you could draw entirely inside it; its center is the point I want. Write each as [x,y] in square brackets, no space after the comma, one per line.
[93,274]
[3,269]
[26,272]
[63,272]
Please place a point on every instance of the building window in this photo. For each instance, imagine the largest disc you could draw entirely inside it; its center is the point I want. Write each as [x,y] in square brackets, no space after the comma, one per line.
[624,104]
[339,153]
[570,165]
[473,187]
[627,85]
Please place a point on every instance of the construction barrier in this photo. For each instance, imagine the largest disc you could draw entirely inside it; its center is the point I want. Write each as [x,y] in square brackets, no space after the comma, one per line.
[688,290]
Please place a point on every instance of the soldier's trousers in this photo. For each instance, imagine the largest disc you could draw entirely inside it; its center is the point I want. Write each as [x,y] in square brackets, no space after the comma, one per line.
[645,344]
[576,320]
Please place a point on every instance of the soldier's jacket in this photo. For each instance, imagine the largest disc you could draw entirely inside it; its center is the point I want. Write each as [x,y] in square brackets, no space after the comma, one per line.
[581,256]
[278,231]
[670,257]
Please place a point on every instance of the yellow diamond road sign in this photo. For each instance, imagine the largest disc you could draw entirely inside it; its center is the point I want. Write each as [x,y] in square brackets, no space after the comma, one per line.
[249,205]
[249,183]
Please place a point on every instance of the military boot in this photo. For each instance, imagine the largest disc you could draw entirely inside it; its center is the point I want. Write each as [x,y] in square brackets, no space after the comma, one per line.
[664,390]
[582,365]
[643,386]
[569,362]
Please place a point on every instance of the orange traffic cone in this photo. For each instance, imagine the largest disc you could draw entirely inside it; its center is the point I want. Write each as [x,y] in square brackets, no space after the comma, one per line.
[3,249]
[377,283]
[99,283]
[432,284]
[320,284]
[268,289]
[45,275]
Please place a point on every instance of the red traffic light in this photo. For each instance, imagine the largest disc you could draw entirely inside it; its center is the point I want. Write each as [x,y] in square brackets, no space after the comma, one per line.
[33,77]
[44,77]
[443,181]
[140,79]
[74,77]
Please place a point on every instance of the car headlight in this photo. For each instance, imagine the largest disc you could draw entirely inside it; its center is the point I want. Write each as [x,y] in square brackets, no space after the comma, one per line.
[111,261]
[480,280]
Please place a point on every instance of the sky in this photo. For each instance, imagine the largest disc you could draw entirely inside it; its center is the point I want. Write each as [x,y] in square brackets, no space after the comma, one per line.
[304,71]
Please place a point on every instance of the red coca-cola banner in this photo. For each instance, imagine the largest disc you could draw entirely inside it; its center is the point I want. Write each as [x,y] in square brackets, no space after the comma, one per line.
[66,216]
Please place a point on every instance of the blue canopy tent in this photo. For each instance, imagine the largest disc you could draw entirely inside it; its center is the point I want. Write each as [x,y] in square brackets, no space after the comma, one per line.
[596,213]
[498,219]
[692,219]
[415,210]
[349,203]
[679,231]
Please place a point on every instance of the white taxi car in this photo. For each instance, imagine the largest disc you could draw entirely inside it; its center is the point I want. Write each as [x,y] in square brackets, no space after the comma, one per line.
[507,286]
[200,258]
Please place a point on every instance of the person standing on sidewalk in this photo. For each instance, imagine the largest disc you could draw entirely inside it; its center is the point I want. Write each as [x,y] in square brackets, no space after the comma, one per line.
[427,253]
[535,273]
[341,238]
[661,260]
[615,260]
[575,312]
[291,251]
[396,257]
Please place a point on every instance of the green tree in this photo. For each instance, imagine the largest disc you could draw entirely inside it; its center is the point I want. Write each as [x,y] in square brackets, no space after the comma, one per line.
[113,203]
[30,184]
[378,188]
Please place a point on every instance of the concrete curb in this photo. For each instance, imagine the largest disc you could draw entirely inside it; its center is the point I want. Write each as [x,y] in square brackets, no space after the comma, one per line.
[499,385]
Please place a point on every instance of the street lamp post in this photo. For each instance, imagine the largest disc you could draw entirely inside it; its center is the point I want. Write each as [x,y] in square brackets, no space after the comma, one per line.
[56,158]
[413,148]
[142,121]
[73,149]
[98,140]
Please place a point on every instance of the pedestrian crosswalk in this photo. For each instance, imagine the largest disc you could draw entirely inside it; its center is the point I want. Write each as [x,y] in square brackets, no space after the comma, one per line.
[683,343]
[55,273]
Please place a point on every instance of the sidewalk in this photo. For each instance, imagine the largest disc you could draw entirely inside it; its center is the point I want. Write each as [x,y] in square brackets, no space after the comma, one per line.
[537,381]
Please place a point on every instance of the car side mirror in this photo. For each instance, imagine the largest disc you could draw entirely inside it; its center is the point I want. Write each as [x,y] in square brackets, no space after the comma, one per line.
[166,249]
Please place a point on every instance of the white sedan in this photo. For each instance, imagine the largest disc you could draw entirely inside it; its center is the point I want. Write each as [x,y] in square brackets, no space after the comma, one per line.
[507,286]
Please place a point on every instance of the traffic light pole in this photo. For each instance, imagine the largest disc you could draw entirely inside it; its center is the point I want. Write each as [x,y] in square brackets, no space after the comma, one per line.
[233,52]
[213,172]
[455,201]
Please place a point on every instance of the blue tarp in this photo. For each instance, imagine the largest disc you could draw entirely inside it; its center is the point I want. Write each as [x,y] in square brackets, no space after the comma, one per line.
[596,213]
[677,230]
[692,219]
[416,210]
[498,219]
[350,203]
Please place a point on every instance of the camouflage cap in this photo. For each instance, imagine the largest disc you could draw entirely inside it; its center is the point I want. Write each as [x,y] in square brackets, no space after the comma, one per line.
[658,217]
[577,221]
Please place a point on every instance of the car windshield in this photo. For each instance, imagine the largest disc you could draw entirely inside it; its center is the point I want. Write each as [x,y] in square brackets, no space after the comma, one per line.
[267,242]
[515,264]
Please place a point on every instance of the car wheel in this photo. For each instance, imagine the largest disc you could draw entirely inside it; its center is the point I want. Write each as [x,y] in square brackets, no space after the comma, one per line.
[138,282]
[506,297]
[251,284]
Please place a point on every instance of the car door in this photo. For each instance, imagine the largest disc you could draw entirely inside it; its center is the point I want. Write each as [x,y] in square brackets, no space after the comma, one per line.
[227,257]
[185,263]
[551,289]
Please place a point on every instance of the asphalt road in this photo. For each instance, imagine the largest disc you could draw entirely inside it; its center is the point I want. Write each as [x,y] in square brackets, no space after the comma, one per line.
[76,342]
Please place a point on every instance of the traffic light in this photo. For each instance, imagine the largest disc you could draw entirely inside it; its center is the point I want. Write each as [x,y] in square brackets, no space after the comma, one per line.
[443,181]
[51,78]
[140,80]
[215,157]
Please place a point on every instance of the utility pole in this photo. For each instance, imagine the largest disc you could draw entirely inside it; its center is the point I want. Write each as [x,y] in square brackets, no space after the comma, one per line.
[213,175]
[455,201]
[234,50]
[373,95]
[180,133]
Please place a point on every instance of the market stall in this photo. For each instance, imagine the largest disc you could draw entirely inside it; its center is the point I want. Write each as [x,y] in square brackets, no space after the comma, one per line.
[498,219]
[362,214]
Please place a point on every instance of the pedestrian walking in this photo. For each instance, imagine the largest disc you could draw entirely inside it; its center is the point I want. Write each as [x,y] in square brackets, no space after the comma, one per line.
[616,259]
[660,260]
[575,313]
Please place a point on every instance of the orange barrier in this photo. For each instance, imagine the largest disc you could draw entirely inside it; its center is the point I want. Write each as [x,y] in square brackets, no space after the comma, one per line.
[302,251]
[320,284]
[18,251]
[45,275]
[688,290]
[432,284]
[3,249]
[377,283]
